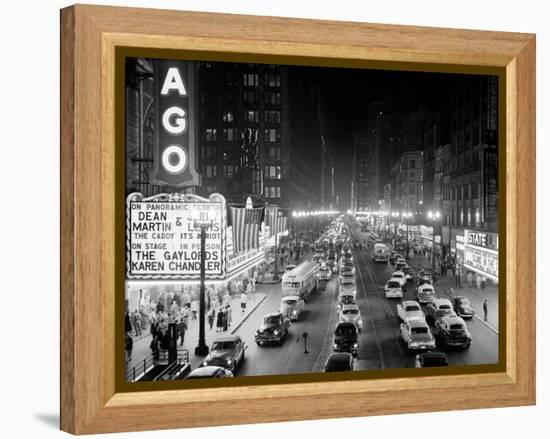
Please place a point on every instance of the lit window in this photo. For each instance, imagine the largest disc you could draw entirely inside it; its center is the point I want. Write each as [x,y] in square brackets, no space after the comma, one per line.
[210,134]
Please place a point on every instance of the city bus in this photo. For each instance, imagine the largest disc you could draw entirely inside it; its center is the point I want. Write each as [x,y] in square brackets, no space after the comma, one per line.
[301,280]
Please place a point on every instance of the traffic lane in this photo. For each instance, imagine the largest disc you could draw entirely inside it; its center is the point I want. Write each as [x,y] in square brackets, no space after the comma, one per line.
[290,356]
[380,343]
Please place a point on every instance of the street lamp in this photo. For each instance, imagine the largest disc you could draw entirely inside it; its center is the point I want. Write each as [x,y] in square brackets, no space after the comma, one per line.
[407,215]
[434,217]
[202,347]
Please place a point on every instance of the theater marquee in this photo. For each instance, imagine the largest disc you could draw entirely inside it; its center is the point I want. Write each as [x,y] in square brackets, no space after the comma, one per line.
[163,239]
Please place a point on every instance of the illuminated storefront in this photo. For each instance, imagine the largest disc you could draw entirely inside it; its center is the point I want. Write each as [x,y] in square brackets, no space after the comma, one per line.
[481,253]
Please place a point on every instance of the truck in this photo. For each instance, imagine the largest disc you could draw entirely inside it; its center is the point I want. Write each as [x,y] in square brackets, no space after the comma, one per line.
[301,281]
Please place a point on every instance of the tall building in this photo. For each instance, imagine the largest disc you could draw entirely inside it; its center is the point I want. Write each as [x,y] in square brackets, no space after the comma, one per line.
[435,134]
[407,183]
[474,153]
[259,134]
[360,179]
[327,177]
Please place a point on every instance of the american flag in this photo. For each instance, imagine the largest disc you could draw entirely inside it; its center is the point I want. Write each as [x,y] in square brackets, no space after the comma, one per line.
[271,219]
[246,228]
[281,222]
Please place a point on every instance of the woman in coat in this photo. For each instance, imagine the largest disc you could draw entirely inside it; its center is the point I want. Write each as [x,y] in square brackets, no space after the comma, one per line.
[219,320]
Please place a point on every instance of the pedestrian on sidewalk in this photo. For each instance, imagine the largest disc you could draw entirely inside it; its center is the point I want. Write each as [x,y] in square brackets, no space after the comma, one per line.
[182,327]
[485,310]
[127,323]
[229,315]
[469,277]
[243,302]
[194,308]
[478,281]
[483,282]
[137,327]
[211,316]
[219,321]
[225,319]
[128,345]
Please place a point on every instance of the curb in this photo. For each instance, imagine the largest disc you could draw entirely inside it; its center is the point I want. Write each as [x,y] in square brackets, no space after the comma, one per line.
[248,314]
[477,317]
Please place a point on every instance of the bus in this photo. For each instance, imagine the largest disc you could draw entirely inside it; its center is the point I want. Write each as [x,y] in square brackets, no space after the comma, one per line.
[301,280]
[381,253]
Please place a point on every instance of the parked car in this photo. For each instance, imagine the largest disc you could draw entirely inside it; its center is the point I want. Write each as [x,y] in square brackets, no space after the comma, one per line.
[407,269]
[209,372]
[339,362]
[393,289]
[345,338]
[438,308]
[451,331]
[425,293]
[410,310]
[417,335]
[226,351]
[431,359]
[463,307]
[292,307]
[351,313]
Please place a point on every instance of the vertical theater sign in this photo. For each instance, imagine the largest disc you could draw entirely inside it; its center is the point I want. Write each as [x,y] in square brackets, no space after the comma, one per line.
[174,155]
[163,231]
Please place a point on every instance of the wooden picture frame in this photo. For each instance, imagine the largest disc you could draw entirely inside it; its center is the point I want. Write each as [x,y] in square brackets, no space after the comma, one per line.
[90,37]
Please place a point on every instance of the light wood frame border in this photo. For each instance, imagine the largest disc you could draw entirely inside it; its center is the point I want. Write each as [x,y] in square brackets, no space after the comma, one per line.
[89,35]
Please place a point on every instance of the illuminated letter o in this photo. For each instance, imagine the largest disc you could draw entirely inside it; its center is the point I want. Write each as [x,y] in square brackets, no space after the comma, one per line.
[167,157]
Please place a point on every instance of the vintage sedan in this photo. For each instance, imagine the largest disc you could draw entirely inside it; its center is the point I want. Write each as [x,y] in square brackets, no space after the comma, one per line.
[347,276]
[417,335]
[340,362]
[451,331]
[439,308]
[393,289]
[345,299]
[226,351]
[325,273]
[351,313]
[425,293]
[463,307]
[400,276]
[431,359]
[292,307]
[209,372]
[410,310]
[345,338]
[274,329]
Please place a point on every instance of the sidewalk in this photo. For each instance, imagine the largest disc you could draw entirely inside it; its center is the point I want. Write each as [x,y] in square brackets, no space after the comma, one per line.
[142,348]
[444,284]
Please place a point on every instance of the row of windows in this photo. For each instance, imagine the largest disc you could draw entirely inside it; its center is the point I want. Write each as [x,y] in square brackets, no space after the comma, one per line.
[253,80]
[466,217]
[250,97]
[270,116]
[271,135]
[209,152]
[272,192]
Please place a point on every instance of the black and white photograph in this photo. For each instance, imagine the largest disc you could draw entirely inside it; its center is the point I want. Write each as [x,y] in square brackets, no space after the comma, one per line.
[286,219]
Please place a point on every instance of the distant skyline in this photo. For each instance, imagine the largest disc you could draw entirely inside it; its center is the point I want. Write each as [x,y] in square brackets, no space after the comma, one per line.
[347,93]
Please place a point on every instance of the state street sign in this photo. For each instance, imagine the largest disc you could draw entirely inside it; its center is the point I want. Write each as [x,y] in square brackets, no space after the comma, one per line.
[163,240]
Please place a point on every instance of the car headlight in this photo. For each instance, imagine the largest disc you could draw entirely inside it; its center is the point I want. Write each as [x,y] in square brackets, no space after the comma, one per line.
[229,361]
[335,345]
[205,363]
[355,345]
[275,332]
[294,312]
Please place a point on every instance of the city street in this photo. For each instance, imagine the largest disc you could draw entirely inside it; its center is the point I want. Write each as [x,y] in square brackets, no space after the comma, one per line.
[380,344]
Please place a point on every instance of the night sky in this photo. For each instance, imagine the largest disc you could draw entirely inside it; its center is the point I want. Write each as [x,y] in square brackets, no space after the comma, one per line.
[346,94]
